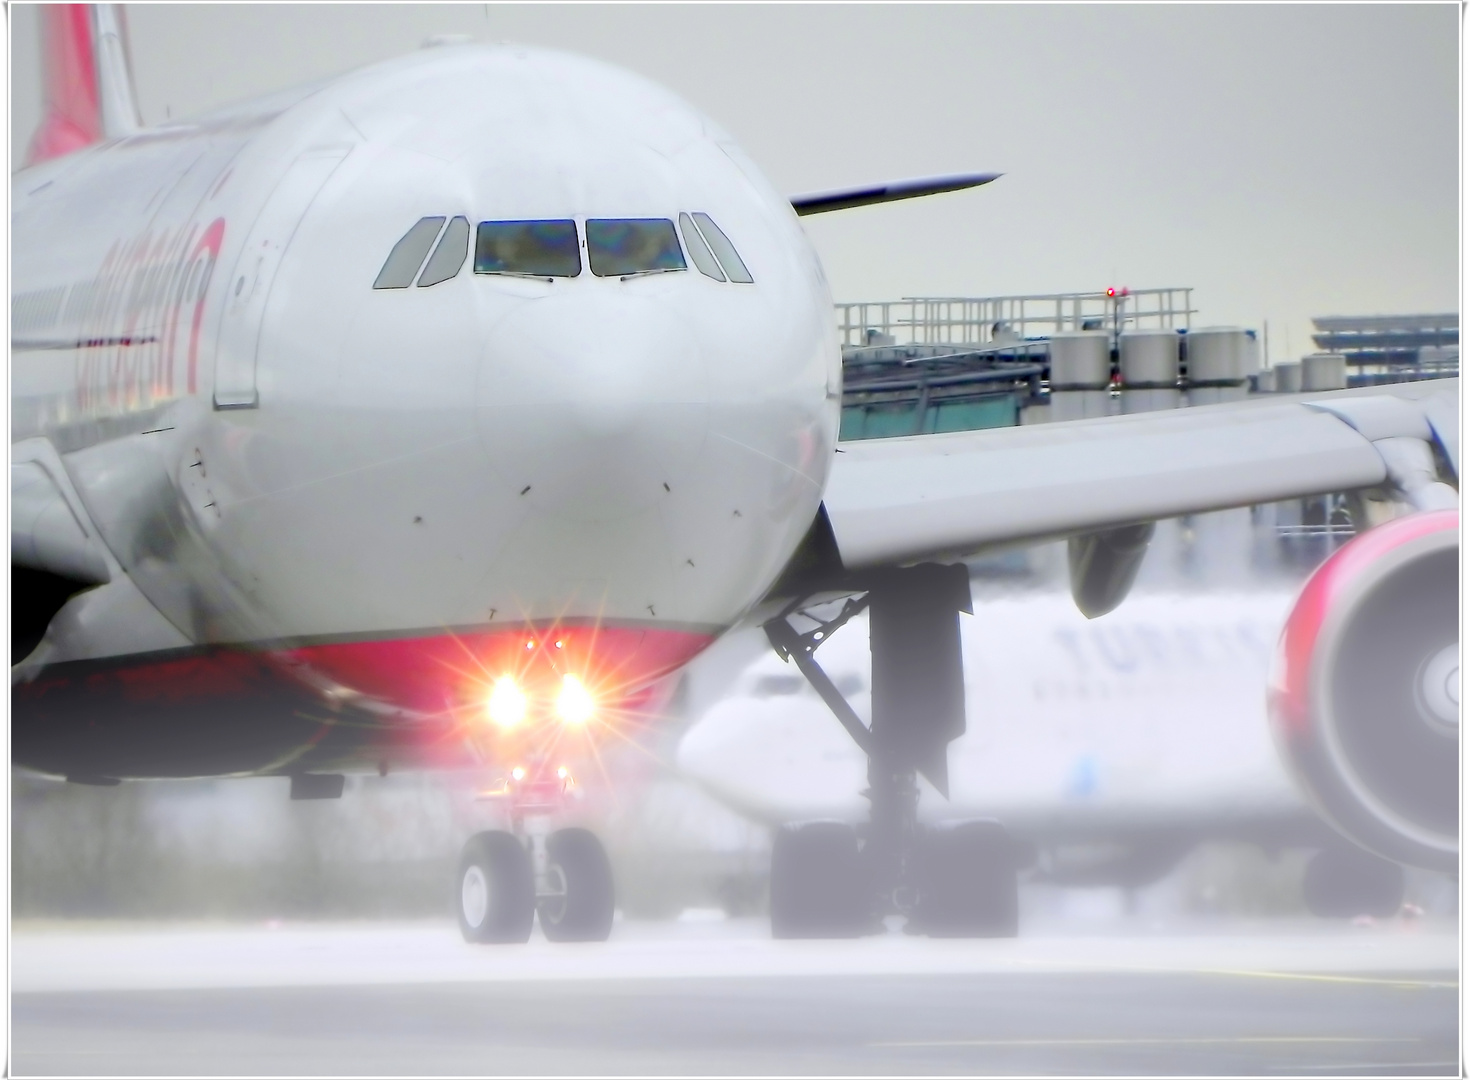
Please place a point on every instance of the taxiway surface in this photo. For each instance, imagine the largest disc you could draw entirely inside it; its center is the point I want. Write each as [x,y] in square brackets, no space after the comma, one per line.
[719,997]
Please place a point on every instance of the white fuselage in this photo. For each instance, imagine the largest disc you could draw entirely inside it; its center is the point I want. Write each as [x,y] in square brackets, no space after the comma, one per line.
[1148,719]
[279,454]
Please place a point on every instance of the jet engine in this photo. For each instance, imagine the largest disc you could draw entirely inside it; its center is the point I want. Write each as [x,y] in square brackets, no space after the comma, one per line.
[1364,693]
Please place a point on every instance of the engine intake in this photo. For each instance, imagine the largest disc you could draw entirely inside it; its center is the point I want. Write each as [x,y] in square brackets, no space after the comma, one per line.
[1364,695]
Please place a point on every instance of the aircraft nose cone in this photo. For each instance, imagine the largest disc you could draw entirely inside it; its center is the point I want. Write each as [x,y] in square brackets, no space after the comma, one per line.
[593,406]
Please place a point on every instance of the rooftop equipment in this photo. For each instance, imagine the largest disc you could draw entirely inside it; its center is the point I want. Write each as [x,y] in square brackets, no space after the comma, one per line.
[1324,371]
[1148,364]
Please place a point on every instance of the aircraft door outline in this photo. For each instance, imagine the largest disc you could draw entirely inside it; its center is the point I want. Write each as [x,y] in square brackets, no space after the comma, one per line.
[255,271]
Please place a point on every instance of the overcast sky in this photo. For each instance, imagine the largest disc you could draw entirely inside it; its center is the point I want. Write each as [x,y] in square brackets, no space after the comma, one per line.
[1285,161]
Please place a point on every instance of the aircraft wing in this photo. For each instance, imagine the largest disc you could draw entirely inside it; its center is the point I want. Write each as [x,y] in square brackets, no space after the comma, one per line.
[901,500]
[822,202]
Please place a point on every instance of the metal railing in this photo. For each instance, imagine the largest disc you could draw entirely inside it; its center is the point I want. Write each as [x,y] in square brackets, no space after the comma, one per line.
[958,320]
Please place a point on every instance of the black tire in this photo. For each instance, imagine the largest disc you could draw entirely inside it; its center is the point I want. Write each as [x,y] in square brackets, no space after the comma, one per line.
[967,881]
[495,891]
[818,885]
[1343,883]
[584,912]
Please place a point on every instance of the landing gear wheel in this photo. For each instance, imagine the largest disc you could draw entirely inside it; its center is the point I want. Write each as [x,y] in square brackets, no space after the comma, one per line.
[582,910]
[1342,883]
[496,892]
[818,885]
[966,876]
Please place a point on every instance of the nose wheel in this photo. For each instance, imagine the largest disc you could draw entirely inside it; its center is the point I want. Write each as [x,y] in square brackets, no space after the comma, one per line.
[577,901]
[501,891]
[508,880]
[497,892]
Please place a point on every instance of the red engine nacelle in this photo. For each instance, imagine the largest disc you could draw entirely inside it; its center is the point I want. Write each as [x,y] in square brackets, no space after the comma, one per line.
[1364,694]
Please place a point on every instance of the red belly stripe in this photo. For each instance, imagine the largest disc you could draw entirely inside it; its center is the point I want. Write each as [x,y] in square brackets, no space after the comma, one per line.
[447,672]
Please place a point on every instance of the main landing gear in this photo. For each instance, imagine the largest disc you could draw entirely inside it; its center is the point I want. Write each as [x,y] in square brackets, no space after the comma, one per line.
[830,879]
[507,880]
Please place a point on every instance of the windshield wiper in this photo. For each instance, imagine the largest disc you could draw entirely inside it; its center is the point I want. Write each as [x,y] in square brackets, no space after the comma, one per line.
[656,270]
[516,273]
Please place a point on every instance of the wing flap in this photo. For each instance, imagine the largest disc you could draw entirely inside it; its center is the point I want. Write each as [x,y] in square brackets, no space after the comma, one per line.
[929,496]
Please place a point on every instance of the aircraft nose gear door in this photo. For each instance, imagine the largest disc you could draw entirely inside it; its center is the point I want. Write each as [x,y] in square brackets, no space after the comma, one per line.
[829,880]
[249,287]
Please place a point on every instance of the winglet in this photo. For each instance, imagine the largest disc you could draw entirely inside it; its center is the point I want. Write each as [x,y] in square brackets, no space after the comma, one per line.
[824,201]
[87,81]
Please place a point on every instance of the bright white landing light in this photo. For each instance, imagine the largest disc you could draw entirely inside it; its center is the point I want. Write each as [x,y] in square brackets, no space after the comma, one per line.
[574,704]
[507,706]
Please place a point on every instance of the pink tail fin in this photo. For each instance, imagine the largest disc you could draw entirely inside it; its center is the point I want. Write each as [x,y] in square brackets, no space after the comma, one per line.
[71,82]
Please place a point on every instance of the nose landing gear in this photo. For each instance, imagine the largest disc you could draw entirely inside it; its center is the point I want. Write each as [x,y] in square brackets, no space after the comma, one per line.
[507,880]
[830,879]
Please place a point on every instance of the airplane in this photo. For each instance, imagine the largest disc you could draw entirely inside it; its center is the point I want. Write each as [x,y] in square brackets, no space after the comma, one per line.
[1109,749]
[435,414]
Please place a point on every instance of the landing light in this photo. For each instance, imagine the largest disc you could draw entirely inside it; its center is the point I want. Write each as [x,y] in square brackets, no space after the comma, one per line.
[507,706]
[574,704]
[518,773]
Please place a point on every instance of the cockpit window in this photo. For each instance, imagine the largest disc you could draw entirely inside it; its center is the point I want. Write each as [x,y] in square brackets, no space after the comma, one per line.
[698,250]
[723,249]
[618,247]
[528,248]
[408,255]
[449,256]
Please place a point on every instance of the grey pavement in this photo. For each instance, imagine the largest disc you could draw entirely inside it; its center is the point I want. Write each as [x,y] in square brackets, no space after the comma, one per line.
[722,999]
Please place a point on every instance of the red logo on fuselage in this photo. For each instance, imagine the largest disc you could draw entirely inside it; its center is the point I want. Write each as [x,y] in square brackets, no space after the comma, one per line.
[128,332]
